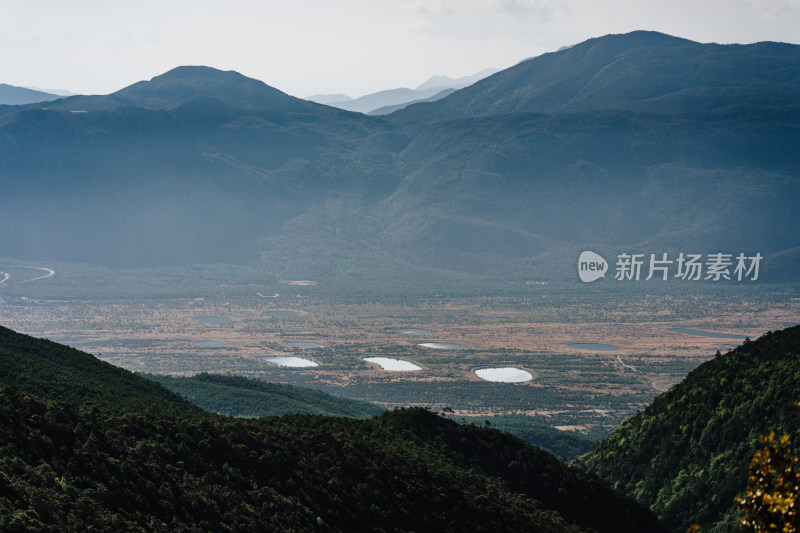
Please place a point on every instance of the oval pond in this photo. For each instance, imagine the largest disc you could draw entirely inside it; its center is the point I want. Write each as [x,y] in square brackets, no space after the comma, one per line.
[507,374]
[394,365]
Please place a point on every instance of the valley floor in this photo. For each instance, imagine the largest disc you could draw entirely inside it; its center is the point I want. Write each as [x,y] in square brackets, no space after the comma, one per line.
[165,323]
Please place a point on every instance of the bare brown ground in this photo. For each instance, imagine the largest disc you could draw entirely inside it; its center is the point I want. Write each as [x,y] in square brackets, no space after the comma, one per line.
[160,338]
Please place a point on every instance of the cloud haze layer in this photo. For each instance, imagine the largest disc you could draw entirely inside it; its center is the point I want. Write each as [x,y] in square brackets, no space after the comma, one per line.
[351,46]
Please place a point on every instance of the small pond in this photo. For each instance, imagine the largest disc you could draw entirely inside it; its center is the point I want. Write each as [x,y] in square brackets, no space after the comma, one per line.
[395,365]
[416,331]
[594,346]
[507,374]
[443,346]
[294,362]
[210,344]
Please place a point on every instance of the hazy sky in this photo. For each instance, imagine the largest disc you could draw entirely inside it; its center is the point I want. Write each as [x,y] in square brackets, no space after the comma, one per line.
[354,47]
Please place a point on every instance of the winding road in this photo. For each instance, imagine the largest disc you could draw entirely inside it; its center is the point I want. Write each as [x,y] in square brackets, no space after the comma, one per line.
[624,366]
[49,273]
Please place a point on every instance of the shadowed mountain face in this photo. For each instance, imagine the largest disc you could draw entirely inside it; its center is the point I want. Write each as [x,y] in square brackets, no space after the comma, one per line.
[639,142]
[186,84]
[686,456]
[194,166]
[10,95]
[638,71]
[86,445]
[385,102]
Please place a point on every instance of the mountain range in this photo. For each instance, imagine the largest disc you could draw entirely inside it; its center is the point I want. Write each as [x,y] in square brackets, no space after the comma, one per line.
[387,109]
[640,142]
[11,95]
[387,101]
[638,72]
[370,103]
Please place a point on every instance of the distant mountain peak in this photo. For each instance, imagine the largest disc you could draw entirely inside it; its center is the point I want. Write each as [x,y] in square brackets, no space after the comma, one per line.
[201,73]
[12,95]
[443,82]
[327,99]
[389,100]
[644,36]
[637,71]
[181,84]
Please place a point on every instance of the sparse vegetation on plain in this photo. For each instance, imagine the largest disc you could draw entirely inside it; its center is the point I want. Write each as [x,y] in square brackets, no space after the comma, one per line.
[150,325]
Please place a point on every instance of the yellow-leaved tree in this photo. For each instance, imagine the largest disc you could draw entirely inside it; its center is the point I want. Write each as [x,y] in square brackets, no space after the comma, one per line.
[773,495]
[772,501]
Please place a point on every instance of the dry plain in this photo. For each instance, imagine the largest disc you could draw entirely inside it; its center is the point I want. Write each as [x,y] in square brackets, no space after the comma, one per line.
[531,327]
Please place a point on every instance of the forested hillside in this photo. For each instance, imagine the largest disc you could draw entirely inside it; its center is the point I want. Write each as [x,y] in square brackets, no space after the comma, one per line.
[53,371]
[69,469]
[87,446]
[637,71]
[620,142]
[237,396]
[686,455]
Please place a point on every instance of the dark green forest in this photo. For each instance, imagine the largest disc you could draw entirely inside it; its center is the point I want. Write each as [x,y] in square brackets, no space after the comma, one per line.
[237,396]
[241,397]
[565,444]
[641,143]
[67,469]
[686,455]
[86,446]
[53,371]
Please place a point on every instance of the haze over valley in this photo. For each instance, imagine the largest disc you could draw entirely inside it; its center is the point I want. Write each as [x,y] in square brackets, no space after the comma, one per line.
[599,145]
[596,250]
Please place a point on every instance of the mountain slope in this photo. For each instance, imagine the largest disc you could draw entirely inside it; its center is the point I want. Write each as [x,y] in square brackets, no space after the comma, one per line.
[389,97]
[638,71]
[443,82]
[385,110]
[236,396]
[686,455]
[500,195]
[328,99]
[96,447]
[387,101]
[54,371]
[66,471]
[186,83]
[641,142]
[11,95]
[620,143]
[195,165]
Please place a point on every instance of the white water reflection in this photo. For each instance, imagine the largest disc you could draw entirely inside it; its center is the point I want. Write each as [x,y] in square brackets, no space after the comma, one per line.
[397,365]
[508,374]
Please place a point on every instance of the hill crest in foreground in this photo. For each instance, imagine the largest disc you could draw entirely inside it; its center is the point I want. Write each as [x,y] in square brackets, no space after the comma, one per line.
[54,371]
[65,470]
[80,460]
[237,396]
[686,455]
